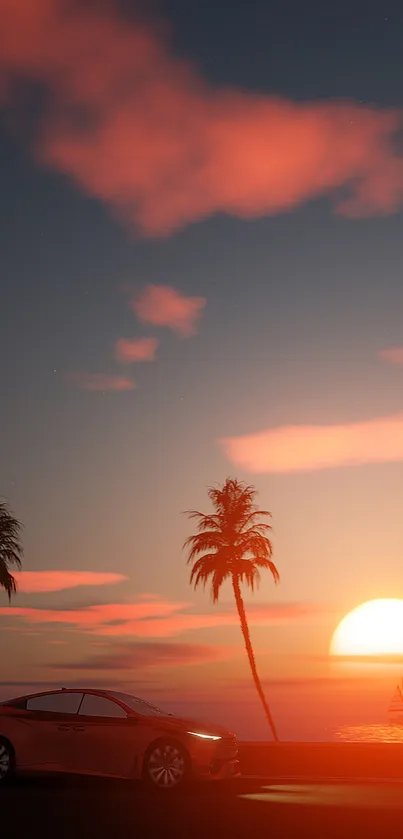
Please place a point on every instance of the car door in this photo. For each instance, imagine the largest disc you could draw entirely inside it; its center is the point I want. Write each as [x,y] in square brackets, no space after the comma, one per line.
[44,727]
[101,740]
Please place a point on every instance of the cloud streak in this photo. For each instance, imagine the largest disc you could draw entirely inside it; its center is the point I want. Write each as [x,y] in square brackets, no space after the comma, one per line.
[141,130]
[41,581]
[150,655]
[162,305]
[297,448]
[101,382]
[157,618]
[129,350]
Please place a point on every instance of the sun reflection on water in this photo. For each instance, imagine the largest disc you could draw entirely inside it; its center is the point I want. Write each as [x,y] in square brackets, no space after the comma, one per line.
[376,733]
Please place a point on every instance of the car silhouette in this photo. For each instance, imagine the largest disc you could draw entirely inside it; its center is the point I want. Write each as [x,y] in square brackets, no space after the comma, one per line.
[106,733]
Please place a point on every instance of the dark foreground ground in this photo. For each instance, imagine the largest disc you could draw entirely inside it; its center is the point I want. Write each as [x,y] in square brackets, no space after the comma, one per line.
[75,807]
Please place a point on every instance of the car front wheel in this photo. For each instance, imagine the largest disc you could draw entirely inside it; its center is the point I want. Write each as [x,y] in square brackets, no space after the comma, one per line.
[6,760]
[166,766]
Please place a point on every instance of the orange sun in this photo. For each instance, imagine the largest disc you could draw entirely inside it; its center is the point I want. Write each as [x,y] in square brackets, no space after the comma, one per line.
[372,629]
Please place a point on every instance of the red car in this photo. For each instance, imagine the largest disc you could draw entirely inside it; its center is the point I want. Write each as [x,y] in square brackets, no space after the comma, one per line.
[100,732]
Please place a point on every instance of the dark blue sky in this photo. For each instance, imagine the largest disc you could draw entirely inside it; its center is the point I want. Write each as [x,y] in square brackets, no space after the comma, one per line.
[299,50]
[306,278]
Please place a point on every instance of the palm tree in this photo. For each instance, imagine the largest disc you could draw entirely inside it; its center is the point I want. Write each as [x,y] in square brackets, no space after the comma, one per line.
[10,548]
[232,544]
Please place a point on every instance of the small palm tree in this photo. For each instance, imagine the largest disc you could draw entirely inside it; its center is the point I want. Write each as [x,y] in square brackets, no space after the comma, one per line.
[232,544]
[10,548]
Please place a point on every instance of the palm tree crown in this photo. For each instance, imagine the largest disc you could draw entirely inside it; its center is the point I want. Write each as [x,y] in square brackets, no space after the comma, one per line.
[10,548]
[232,541]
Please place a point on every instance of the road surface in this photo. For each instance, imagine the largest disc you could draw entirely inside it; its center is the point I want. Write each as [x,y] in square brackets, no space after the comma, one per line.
[78,807]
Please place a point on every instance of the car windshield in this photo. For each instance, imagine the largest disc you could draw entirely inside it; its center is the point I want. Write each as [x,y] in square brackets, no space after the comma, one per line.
[139,705]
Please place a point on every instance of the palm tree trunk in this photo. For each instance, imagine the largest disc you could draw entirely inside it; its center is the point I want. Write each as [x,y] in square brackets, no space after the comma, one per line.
[249,649]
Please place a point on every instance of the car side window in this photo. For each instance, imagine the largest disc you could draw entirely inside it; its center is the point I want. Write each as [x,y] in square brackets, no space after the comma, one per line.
[100,706]
[57,703]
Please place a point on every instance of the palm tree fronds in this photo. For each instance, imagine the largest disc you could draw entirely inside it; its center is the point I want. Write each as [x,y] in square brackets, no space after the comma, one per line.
[233,493]
[250,518]
[202,542]
[255,543]
[11,549]
[7,581]
[207,567]
[262,562]
[205,522]
[250,575]
[218,578]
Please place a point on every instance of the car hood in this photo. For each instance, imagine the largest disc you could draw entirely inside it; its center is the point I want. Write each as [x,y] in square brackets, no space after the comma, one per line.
[202,727]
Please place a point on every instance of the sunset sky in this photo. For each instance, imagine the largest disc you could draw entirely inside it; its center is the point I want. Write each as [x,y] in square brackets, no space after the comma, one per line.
[201,276]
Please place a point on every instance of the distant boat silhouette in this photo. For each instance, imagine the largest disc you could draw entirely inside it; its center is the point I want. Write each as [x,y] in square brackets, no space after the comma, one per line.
[396,707]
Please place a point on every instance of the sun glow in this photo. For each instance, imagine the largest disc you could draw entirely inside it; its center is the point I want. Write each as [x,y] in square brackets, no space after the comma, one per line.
[372,629]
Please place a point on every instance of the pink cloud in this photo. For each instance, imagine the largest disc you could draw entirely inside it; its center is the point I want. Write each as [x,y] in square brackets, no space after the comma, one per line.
[41,581]
[158,618]
[94,617]
[129,350]
[142,130]
[163,305]
[294,448]
[101,382]
[392,355]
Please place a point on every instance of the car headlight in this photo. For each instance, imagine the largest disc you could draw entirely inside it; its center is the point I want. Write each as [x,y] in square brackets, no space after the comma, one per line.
[205,736]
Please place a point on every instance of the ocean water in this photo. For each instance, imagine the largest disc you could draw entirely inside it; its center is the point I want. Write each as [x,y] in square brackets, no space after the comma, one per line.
[376,733]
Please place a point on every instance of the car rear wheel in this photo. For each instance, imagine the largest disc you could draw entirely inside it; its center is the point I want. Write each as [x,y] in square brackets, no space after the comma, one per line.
[166,766]
[6,761]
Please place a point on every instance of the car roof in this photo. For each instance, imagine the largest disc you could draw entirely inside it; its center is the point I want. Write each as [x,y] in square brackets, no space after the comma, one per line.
[96,691]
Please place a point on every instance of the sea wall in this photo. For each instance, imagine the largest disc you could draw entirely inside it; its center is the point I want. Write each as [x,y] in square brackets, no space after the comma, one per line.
[322,760]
